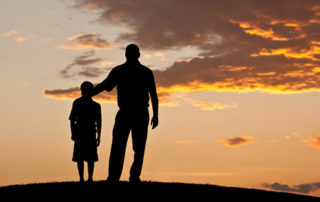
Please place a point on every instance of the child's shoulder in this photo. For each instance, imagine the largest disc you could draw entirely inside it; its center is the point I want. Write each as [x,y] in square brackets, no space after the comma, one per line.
[78,100]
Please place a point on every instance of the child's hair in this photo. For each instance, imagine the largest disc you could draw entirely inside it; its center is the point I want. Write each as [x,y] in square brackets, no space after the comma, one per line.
[86,89]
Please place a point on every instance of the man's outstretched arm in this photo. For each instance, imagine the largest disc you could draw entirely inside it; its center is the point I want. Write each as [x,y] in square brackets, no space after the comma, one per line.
[108,84]
[98,89]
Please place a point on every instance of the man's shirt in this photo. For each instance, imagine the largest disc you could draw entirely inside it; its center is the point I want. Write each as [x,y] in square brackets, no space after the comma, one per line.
[134,82]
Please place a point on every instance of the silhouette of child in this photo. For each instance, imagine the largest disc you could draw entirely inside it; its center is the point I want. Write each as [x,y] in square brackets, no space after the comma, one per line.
[85,122]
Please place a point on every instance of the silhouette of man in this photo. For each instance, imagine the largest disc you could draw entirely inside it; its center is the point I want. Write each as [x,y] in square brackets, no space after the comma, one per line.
[85,123]
[134,83]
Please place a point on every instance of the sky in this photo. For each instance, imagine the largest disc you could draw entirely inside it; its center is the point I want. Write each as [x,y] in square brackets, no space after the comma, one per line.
[238,84]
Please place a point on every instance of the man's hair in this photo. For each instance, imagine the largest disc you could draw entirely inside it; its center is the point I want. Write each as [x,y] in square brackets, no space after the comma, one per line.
[86,88]
[132,52]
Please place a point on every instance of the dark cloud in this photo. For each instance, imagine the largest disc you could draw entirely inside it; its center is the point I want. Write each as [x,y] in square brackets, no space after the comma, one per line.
[244,45]
[301,188]
[237,141]
[80,67]
[86,41]
[276,43]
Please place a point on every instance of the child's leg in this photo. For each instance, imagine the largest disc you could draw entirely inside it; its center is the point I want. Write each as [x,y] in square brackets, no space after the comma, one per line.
[80,170]
[90,170]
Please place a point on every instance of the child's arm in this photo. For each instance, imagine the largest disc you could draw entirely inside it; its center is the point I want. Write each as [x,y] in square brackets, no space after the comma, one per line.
[98,122]
[99,132]
[73,129]
[73,118]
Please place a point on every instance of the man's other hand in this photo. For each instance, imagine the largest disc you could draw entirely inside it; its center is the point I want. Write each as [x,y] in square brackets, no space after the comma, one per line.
[154,122]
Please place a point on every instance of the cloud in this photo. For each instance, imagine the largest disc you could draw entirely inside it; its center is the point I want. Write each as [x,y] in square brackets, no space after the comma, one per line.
[237,141]
[15,35]
[266,46]
[301,188]
[313,141]
[293,135]
[211,106]
[81,67]
[106,97]
[107,63]
[86,41]
[269,46]
[73,93]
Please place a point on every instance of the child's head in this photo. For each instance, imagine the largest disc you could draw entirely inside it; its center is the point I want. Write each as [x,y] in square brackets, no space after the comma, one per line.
[86,89]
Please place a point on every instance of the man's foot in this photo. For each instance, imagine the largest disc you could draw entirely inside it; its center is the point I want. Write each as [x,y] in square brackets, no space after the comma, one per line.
[81,180]
[90,180]
[134,180]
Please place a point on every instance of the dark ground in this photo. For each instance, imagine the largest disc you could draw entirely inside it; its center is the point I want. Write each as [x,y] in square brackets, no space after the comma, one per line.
[146,191]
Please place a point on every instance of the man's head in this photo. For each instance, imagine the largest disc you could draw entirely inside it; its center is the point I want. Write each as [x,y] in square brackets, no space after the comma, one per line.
[132,52]
[86,89]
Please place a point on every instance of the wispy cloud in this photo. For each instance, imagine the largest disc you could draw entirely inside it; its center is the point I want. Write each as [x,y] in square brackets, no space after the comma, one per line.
[107,97]
[107,63]
[211,106]
[293,135]
[72,93]
[15,35]
[313,141]
[301,188]
[237,141]
[86,41]
[81,66]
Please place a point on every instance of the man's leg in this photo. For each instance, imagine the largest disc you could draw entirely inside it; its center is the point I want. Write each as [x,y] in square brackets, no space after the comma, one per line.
[119,142]
[139,138]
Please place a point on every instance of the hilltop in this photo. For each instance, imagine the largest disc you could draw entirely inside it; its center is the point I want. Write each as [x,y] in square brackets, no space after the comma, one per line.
[145,191]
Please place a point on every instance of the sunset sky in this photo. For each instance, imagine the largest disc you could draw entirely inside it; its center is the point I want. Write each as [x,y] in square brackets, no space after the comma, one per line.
[238,84]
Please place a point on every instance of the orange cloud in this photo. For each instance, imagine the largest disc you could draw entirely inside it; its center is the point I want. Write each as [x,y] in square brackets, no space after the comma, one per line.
[237,141]
[73,93]
[105,97]
[311,53]
[107,63]
[314,141]
[255,30]
[211,106]
[86,41]
[293,135]
[15,35]
[231,68]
